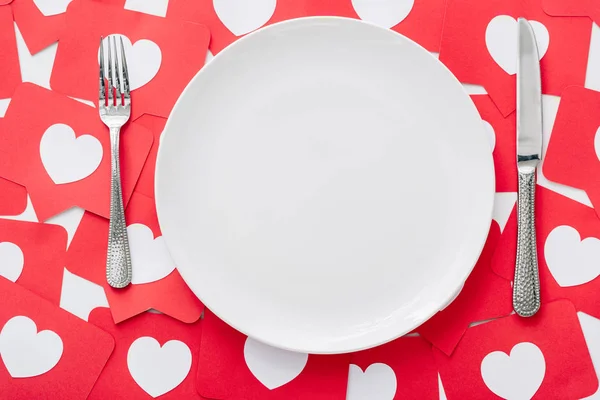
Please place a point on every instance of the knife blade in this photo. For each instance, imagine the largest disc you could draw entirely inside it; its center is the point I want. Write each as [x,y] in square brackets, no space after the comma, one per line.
[526,286]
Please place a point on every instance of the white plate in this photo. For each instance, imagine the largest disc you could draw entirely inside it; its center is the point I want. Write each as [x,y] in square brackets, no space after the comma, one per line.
[324,185]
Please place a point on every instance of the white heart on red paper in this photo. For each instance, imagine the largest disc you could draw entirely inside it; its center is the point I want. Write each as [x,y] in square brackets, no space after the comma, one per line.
[377,382]
[243,16]
[273,367]
[501,41]
[143,59]
[517,376]
[572,261]
[150,258]
[490,133]
[12,261]
[67,158]
[597,143]
[27,352]
[504,203]
[52,7]
[385,13]
[158,370]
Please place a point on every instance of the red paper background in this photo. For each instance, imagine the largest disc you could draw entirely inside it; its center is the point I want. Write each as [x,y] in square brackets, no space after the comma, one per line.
[20,136]
[87,258]
[85,348]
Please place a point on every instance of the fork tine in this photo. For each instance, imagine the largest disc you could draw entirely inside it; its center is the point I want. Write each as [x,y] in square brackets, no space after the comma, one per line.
[117,72]
[111,83]
[102,85]
[125,72]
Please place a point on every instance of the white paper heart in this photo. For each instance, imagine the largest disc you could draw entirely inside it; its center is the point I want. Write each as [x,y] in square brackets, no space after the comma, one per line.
[572,261]
[143,59]
[158,370]
[378,382]
[67,158]
[12,261]
[271,366]
[385,13]
[243,16]
[491,134]
[150,258]
[27,352]
[501,41]
[514,377]
[503,205]
[52,7]
[597,143]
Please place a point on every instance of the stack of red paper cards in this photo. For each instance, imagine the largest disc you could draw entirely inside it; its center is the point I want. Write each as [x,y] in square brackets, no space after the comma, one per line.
[155,339]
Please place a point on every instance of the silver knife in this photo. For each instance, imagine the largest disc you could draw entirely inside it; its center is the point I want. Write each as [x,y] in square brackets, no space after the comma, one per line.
[526,286]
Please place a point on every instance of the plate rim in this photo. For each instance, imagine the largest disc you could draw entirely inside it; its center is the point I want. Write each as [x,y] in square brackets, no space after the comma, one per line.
[348,349]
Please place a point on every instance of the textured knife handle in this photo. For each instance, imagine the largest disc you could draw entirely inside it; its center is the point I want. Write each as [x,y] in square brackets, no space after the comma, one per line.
[526,287]
[118,260]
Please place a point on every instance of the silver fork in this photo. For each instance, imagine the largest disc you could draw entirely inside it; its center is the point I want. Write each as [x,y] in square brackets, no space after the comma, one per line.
[115,113]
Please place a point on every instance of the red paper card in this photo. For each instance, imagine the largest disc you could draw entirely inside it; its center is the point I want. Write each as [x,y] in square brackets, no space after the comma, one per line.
[154,356]
[542,357]
[62,155]
[33,255]
[14,197]
[574,8]
[479,46]
[155,284]
[162,55]
[10,71]
[40,22]
[155,125]
[46,352]
[420,20]
[235,367]
[484,296]
[402,369]
[573,155]
[503,138]
[230,20]
[568,243]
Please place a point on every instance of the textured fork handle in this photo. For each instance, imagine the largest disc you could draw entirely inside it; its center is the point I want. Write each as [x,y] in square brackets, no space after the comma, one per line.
[118,261]
[526,287]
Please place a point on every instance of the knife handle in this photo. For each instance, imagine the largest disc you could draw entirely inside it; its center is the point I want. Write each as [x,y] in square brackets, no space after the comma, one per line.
[526,286]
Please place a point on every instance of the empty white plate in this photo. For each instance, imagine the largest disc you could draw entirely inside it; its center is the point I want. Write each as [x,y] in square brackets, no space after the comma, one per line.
[325,185]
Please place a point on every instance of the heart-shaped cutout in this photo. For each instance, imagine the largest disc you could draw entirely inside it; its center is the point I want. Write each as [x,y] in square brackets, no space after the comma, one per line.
[144,58]
[273,367]
[150,258]
[377,382]
[67,158]
[597,143]
[52,7]
[243,16]
[12,261]
[501,37]
[572,261]
[158,370]
[504,203]
[27,352]
[516,376]
[385,13]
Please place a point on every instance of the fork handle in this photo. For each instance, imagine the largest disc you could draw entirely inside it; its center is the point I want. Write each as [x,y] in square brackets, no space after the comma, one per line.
[526,286]
[118,262]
